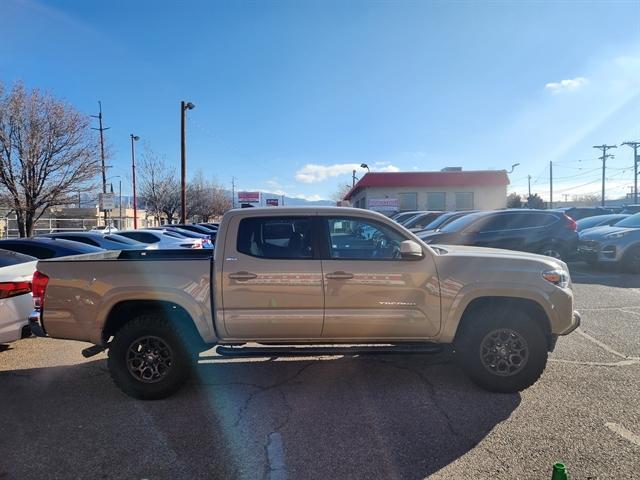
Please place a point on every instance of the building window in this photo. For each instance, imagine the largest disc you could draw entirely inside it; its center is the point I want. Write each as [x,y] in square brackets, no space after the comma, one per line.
[464,200]
[408,201]
[436,200]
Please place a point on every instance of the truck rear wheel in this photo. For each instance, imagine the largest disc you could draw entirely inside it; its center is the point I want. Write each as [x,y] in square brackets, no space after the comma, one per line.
[502,349]
[148,358]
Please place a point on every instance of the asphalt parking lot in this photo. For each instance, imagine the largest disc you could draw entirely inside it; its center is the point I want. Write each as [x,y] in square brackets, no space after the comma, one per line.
[409,416]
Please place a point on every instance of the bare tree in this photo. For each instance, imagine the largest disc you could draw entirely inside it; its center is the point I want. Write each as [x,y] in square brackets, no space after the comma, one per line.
[206,198]
[220,201]
[47,152]
[159,187]
[340,192]
[514,200]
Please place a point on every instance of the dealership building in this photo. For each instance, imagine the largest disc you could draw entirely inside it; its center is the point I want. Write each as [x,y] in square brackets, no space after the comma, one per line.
[449,189]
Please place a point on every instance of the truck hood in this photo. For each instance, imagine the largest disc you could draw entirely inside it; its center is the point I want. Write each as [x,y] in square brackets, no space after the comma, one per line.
[498,255]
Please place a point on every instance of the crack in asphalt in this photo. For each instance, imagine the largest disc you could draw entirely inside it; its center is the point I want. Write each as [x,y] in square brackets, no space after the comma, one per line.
[262,389]
[432,393]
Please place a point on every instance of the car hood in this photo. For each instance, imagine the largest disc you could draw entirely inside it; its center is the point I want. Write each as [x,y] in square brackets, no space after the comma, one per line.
[497,254]
[600,232]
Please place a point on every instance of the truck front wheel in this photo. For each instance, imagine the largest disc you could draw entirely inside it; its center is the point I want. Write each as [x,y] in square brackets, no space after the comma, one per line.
[502,349]
[148,359]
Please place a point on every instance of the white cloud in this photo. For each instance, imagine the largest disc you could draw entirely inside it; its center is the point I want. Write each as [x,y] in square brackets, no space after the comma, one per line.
[566,85]
[314,173]
[310,198]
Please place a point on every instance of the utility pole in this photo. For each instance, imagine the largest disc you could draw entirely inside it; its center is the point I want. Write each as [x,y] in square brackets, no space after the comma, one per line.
[104,168]
[635,146]
[184,106]
[134,138]
[604,157]
[529,179]
[550,184]
[233,192]
[120,202]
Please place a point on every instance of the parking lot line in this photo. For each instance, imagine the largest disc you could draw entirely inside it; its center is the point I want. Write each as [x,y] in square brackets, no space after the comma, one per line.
[623,432]
[604,346]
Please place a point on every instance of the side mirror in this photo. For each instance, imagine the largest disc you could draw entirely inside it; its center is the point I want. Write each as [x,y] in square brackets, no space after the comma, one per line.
[410,250]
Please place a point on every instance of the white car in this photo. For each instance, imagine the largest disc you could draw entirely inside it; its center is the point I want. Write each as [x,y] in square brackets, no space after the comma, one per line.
[16,302]
[162,239]
[105,229]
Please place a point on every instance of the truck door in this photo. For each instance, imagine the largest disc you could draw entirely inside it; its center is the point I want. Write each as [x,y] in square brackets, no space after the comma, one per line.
[272,279]
[370,291]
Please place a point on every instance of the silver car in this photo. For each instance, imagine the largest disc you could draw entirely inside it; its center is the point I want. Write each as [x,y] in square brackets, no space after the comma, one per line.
[161,239]
[618,244]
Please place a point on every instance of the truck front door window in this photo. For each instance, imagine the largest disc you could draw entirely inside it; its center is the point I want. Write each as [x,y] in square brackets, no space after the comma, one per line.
[361,239]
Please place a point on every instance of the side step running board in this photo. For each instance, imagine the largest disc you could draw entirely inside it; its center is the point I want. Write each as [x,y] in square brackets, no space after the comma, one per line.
[297,351]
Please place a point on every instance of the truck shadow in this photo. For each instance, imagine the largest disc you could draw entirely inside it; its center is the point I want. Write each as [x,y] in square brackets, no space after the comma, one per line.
[385,417]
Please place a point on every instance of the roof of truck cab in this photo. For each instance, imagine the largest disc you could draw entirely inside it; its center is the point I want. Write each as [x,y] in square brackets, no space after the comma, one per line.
[283,211]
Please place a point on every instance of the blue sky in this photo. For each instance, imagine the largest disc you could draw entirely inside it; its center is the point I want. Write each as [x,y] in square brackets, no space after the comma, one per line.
[290,95]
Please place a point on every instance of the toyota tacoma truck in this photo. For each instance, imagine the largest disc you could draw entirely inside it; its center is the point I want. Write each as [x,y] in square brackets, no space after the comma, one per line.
[285,277]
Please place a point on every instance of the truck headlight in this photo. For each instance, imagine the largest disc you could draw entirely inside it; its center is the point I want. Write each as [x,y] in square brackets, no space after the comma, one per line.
[558,277]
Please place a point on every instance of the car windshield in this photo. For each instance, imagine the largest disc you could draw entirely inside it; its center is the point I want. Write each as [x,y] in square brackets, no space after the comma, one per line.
[121,239]
[461,223]
[630,222]
[7,257]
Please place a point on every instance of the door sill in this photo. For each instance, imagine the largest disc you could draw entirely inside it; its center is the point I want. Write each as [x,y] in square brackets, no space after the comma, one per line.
[315,350]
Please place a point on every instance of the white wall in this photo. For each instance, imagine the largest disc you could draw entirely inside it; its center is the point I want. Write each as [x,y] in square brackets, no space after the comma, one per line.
[484,198]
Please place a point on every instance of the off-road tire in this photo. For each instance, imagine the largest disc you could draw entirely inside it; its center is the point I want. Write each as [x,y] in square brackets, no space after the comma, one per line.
[149,326]
[477,330]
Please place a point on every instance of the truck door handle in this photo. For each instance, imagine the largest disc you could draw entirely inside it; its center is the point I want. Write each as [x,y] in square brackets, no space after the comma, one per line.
[242,276]
[339,276]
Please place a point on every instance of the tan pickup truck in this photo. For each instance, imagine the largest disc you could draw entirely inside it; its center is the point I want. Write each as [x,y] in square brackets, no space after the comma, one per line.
[287,277]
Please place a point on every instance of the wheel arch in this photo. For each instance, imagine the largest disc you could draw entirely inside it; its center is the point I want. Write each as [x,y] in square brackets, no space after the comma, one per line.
[532,308]
[123,312]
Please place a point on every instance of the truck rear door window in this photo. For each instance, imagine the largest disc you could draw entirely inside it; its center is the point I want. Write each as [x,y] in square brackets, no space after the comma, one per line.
[275,237]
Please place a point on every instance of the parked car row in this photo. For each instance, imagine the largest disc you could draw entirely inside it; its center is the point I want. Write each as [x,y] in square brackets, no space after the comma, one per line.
[598,237]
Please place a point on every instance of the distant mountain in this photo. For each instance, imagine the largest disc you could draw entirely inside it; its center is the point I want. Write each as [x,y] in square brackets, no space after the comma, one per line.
[293,201]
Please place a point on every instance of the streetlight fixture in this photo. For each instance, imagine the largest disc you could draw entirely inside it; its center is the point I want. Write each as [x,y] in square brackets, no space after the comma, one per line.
[513,167]
[364,165]
[184,106]
[134,138]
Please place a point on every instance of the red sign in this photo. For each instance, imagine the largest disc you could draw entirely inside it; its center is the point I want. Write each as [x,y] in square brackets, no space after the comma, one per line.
[272,202]
[249,197]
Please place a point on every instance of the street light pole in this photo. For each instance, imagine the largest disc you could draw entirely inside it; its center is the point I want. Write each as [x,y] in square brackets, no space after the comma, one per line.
[184,106]
[120,203]
[134,138]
